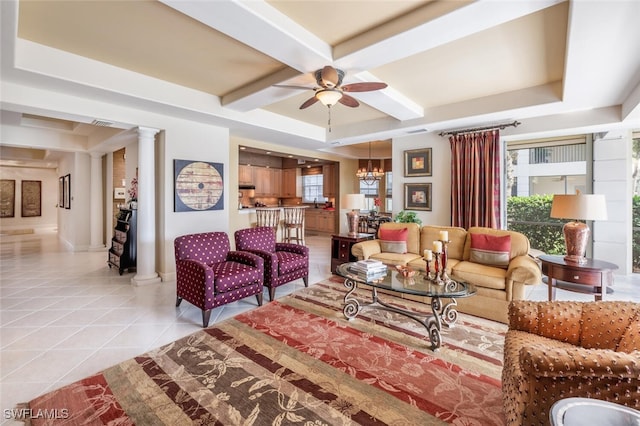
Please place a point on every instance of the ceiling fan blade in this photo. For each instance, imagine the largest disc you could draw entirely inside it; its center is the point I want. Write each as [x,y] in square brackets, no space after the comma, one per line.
[329,76]
[363,87]
[309,102]
[348,101]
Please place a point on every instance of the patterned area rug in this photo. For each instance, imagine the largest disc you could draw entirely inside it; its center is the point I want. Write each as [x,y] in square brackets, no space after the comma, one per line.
[299,361]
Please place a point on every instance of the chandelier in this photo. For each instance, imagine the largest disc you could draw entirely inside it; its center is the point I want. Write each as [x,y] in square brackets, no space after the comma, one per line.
[370,174]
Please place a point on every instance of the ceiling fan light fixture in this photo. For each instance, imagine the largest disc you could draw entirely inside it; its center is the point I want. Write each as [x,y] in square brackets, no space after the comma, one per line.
[329,97]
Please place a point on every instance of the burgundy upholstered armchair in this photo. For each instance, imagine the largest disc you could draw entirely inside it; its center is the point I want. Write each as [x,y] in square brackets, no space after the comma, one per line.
[209,274]
[283,262]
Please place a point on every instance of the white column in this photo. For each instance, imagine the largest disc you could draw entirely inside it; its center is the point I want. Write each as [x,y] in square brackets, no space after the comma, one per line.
[96,202]
[146,237]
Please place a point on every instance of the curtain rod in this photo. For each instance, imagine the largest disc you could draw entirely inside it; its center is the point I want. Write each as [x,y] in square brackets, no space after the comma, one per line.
[476,129]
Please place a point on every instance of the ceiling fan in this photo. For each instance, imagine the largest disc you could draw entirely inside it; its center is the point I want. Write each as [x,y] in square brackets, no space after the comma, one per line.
[330,90]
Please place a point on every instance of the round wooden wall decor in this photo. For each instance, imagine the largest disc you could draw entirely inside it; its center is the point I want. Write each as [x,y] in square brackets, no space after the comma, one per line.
[198,186]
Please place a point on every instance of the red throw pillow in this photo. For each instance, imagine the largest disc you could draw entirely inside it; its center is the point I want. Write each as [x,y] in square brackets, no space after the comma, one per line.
[393,240]
[490,249]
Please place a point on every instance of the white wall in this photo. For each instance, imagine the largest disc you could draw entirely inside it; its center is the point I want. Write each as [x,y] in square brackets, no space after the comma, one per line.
[48,201]
[612,177]
[440,213]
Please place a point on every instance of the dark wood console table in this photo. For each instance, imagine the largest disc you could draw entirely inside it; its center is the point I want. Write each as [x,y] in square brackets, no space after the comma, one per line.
[592,277]
[341,248]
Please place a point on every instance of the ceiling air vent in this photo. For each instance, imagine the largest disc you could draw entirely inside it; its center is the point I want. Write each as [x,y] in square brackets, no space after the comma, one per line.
[102,123]
[411,132]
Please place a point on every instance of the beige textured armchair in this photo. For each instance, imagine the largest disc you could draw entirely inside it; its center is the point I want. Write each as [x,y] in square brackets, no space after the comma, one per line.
[556,350]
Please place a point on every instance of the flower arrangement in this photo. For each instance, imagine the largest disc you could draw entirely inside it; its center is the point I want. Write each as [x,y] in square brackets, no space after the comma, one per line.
[133,190]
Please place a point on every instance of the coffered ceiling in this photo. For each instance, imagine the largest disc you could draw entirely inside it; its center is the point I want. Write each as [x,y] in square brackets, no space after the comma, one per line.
[448,64]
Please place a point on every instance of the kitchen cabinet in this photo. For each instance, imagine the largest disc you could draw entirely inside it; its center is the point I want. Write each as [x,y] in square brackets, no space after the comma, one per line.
[245,175]
[320,220]
[268,181]
[329,180]
[289,183]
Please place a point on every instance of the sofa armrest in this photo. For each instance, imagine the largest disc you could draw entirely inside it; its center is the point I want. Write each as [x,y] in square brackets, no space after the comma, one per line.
[542,361]
[246,258]
[523,269]
[293,248]
[364,249]
[195,276]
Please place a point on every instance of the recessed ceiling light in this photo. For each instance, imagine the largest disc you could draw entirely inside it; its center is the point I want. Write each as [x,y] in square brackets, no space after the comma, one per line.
[243,148]
[315,159]
[290,156]
[268,152]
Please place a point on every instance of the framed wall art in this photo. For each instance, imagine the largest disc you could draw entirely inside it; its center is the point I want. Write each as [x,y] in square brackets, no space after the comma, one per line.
[7,198]
[417,162]
[31,198]
[61,192]
[67,191]
[198,186]
[417,196]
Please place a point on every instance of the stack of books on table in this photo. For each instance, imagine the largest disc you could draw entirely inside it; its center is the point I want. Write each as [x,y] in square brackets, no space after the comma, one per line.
[370,269]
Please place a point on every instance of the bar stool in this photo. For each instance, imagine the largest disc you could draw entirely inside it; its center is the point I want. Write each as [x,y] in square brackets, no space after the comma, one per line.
[269,218]
[293,222]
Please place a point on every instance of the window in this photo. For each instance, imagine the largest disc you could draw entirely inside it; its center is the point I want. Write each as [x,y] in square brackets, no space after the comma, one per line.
[531,180]
[312,188]
[370,193]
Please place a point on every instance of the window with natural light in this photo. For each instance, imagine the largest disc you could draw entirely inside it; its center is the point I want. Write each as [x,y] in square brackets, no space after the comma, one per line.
[312,189]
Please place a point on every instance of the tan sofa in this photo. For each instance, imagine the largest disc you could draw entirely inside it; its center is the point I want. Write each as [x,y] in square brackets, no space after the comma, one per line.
[557,350]
[497,286]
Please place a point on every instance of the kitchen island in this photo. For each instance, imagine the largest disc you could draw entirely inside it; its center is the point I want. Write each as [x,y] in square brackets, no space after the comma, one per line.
[316,219]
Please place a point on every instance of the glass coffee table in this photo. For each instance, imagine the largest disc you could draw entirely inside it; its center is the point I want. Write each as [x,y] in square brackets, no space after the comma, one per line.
[416,285]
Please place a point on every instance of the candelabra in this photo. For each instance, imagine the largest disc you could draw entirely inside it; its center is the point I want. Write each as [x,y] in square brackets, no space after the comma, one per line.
[439,276]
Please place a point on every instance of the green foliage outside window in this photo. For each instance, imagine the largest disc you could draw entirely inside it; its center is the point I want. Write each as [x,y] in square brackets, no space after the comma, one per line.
[530,216]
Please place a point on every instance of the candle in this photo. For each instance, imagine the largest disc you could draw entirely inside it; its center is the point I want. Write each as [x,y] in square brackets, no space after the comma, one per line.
[437,246]
[428,255]
[444,235]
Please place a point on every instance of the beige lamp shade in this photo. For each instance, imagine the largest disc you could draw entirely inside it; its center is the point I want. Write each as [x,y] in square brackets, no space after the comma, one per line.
[579,207]
[576,234]
[352,201]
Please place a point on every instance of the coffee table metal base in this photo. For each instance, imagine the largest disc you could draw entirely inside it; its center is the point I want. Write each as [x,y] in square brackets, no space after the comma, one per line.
[446,314]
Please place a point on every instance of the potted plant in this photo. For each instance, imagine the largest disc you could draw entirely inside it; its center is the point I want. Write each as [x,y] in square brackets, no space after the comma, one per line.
[408,217]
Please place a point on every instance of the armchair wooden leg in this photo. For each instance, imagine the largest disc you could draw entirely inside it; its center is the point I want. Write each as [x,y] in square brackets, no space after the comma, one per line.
[205,317]
[259,297]
[306,281]
[272,293]
[178,300]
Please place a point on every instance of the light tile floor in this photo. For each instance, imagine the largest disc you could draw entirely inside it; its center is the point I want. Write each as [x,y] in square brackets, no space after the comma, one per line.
[66,315]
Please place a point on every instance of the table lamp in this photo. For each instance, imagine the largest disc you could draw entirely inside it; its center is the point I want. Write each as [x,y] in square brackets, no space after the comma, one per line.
[576,234]
[354,202]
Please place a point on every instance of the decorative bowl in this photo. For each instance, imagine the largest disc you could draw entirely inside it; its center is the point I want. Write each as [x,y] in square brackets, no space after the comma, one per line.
[406,271]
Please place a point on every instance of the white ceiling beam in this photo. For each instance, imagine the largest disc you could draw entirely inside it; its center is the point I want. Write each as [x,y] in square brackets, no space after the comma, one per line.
[427,28]
[264,28]
[600,57]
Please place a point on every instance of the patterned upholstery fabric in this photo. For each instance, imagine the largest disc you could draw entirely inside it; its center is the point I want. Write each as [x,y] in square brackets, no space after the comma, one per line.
[557,350]
[283,262]
[208,274]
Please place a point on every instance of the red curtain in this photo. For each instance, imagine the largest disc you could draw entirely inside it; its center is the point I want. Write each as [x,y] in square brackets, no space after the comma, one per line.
[475,180]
